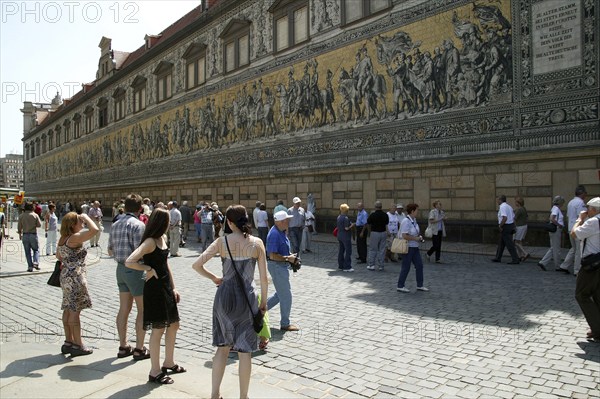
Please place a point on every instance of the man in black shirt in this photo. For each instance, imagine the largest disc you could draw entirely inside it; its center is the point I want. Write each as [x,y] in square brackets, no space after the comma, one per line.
[377,227]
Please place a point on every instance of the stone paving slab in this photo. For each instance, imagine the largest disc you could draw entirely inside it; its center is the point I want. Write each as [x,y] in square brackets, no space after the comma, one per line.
[483,330]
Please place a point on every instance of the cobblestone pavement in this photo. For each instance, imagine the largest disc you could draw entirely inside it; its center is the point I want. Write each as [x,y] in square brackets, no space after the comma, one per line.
[484,329]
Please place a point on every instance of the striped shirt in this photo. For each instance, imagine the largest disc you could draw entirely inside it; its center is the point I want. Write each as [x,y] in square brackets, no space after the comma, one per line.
[125,236]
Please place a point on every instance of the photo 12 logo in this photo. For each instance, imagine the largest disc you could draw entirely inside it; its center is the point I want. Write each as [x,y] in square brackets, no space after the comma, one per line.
[69,11]
[38,92]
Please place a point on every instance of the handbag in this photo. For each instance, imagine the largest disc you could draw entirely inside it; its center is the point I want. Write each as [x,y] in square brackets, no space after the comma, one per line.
[54,279]
[335,232]
[429,231]
[399,246]
[257,319]
[550,227]
[591,263]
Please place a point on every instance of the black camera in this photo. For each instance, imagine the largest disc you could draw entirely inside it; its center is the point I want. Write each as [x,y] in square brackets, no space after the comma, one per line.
[296,264]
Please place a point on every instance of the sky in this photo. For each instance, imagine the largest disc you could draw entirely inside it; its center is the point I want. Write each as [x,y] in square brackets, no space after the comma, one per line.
[50,46]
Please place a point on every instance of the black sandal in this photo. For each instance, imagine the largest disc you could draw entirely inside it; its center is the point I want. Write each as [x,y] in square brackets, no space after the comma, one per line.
[176,369]
[161,378]
[141,354]
[124,351]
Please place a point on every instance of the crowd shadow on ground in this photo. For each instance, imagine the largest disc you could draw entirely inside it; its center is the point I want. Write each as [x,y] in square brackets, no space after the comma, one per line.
[467,287]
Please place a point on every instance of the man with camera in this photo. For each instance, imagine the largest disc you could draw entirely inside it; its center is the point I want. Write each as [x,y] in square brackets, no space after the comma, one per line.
[280,259]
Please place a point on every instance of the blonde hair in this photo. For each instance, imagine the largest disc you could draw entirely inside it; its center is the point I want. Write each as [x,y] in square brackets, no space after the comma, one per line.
[344,208]
[68,223]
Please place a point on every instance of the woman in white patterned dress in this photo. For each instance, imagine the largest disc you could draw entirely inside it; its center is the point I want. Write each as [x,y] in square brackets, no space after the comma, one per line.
[71,253]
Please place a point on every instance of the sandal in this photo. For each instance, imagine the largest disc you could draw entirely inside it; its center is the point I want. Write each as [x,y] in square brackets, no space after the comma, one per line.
[141,354]
[176,369]
[263,345]
[124,351]
[77,350]
[161,378]
[66,347]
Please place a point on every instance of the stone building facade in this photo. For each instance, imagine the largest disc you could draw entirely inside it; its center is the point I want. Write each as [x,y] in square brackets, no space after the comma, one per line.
[11,171]
[347,100]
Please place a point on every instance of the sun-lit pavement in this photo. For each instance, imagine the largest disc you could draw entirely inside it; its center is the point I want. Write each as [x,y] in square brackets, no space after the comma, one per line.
[484,329]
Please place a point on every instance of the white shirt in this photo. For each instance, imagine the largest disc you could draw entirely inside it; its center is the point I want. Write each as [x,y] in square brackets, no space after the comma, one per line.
[506,210]
[576,205]
[262,219]
[255,217]
[410,227]
[175,217]
[393,223]
[309,218]
[558,214]
[591,231]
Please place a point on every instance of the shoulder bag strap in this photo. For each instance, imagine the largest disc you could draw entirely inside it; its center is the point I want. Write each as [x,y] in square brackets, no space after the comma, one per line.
[239,276]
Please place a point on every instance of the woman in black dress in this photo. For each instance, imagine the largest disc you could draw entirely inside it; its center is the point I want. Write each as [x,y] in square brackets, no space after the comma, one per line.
[160,295]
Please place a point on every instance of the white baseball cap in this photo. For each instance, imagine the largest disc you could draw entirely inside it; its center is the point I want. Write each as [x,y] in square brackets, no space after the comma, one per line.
[281,215]
[296,200]
[595,202]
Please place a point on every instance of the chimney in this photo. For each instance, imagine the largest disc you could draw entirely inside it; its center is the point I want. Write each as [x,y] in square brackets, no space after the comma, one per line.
[210,3]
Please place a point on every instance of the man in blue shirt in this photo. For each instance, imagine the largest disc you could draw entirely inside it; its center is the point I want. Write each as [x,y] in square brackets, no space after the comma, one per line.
[361,233]
[278,251]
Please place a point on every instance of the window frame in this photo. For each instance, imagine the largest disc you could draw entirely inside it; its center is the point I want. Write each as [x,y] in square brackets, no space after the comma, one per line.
[194,55]
[67,130]
[119,103]
[102,106]
[139,93]
[366,11]
[164,81]
[88,114]
[50,140]
[235,30]
[287,9]
[76,126]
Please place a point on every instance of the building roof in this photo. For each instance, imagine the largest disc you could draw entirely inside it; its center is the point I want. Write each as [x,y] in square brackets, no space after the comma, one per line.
[123,59]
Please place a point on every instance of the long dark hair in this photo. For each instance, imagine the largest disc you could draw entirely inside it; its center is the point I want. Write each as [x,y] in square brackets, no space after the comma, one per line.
[237,215]
[158,224]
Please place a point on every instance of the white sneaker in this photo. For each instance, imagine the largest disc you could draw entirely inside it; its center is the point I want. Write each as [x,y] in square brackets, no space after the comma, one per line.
[348,270]
[370,267]
[422,289]
[403,289]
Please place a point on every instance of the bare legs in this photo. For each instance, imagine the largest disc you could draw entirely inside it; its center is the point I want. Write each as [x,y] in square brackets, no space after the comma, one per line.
[72,326]
[245,371]
[218,370]
[125,306]
[155,338]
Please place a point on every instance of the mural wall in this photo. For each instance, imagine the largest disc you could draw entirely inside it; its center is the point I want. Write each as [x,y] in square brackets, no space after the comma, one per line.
[438,70]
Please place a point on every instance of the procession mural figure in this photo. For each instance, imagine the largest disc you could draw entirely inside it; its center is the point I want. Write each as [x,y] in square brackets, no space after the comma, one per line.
[468,66]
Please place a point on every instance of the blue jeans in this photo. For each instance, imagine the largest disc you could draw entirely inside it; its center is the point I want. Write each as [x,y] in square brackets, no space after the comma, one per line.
[413,256]
[295,234]
[280,274]
[345,254]
[377,246]
[30,243]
